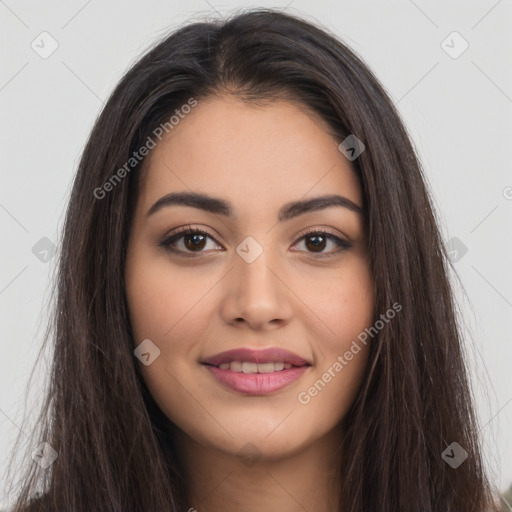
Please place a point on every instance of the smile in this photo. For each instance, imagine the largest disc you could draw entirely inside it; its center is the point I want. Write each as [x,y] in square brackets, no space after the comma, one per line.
[249,367]
[256,372]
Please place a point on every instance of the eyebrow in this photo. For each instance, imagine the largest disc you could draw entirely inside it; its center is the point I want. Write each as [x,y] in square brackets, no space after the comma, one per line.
[223,207]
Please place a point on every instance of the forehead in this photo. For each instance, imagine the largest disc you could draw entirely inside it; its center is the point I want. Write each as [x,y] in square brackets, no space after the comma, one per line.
[253,155]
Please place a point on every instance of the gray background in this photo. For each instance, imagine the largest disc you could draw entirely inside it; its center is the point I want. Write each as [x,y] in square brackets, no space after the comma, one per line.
[457,109]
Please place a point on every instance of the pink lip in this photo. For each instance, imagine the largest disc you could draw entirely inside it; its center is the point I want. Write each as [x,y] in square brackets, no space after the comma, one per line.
[257,383]
[267,355]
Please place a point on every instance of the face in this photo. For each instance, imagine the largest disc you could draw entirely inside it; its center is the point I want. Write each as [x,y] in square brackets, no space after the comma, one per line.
[259,276]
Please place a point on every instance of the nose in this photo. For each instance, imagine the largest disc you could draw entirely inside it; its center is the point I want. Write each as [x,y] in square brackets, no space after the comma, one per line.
[257,295]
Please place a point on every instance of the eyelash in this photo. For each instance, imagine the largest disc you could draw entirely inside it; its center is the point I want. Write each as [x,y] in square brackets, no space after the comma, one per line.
[171,239]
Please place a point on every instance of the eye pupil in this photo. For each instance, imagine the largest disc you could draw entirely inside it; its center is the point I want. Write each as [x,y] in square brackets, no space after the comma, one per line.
[319,243]
[196,237]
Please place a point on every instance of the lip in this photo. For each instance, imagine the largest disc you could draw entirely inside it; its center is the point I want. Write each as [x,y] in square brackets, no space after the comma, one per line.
[257,383]
[266,355]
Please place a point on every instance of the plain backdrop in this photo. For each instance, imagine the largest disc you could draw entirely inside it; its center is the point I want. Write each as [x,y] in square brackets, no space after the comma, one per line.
[453,91]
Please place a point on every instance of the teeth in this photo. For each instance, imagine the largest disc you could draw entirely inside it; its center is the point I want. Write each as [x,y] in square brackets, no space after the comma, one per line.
[248,367]
[236,366]
[269,367]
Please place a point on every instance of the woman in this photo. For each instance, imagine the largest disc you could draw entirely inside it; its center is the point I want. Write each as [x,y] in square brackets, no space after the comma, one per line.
[253,304]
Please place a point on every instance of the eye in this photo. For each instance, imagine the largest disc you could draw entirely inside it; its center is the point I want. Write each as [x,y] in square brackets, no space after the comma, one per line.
[194,240]
[316,240]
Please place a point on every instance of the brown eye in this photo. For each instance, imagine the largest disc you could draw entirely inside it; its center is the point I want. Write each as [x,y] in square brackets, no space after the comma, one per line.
[188,241]
[316,242]
[194,241]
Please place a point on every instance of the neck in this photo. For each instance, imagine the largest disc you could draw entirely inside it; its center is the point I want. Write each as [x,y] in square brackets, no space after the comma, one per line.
[227,482]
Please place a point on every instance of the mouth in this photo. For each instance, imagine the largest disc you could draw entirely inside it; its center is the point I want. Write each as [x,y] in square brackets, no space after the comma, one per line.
[250,367]
[256,372]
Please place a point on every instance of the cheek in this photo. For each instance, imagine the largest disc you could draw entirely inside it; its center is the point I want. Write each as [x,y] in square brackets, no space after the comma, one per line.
[169,307]
[345,307]
[332,390]
[163,299]
[340,305]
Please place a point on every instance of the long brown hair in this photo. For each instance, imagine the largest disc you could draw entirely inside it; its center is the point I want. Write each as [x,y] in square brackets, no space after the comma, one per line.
[113,450]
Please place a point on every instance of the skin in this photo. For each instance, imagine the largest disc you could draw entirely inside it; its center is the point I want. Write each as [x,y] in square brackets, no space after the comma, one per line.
[258,158]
